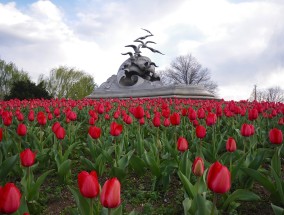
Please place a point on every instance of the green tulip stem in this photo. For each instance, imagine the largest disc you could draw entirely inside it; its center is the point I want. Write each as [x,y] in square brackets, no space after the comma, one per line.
[109,211]
[200,148]
[91,206]
[41,136]
[230,162]
[28,178]
[214,142]
[214,204]
[198,183]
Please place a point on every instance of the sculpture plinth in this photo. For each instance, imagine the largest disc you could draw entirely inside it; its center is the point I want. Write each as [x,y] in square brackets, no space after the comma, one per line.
[136,78]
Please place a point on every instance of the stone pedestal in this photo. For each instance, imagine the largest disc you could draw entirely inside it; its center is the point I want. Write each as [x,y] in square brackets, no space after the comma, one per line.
[149,89]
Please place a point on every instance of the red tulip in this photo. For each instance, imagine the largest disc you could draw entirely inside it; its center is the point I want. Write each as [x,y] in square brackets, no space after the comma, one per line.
[20,117]
[246,130]
[10,198]
[92,121]
[200,131]
[31,116]
[1,134]
[110,195]
[182,144]
[218,178]
[142,121]
[7,121]
[94,132]
[22,130]
[116,114]
[101,109]
[211,119]
[88,184]
[191,114]
[115,129]
[27,157]
[175,119]
[201,113]
[55,126]
[138,112]
[198,166]
[71,115]
[60,133]
[49,116]
[252,114]
[166,112]
[41,118]
[167,122]
[231,144]
[56,112]
[275,136]
[127,119]
[107,117]
[156,121]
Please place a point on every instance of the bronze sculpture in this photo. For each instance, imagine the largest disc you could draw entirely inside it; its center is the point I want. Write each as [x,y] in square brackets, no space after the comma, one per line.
[137,65]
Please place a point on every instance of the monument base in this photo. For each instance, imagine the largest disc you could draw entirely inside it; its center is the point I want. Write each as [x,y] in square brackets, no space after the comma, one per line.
[155,91]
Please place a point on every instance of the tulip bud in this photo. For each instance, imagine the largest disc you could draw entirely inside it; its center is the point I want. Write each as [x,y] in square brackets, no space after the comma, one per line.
[10,198]
[94,132]
[27,158]
[115,129]
[231,145]
[218,178]
[200,131]
[182,144]
[110,195]
[60,133]
[175,119]
[88,184]
[275,136]
[198,166]
[21,130]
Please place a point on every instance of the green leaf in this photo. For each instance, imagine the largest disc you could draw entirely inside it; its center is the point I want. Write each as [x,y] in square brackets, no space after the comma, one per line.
[81,202]
[263,180]
[124,161]
[69,150]
[276,163]
[64,168]
[241,195]
[278,182]
[277,210]
[118,172]
[34,191]
[258,160]
[7,166]
[116,211]
[137,164]
[186,203]
[200,205]
[89,164]
[189,189]
[152,164]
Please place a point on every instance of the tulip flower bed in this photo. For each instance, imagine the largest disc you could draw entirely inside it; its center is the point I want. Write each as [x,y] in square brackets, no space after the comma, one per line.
[141,156]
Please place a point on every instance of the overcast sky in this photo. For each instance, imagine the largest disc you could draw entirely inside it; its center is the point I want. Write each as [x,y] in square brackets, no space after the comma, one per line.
[240,41]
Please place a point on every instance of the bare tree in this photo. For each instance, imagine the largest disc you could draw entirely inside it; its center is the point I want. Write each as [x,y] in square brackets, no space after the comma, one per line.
[187,70]
[275,94]
[272,94]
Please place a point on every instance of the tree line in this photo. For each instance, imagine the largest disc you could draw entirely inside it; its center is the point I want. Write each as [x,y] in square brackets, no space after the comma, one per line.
[62,82]
[68,82]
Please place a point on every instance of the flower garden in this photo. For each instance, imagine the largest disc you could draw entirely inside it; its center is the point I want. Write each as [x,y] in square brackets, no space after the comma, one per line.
[199,156]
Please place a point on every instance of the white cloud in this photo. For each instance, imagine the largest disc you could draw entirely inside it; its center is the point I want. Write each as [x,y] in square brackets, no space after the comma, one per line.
[240,42]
